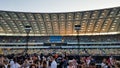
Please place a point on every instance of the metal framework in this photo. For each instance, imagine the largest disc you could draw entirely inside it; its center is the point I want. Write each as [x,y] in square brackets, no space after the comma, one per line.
[94,22]
[77,28]
[27,29]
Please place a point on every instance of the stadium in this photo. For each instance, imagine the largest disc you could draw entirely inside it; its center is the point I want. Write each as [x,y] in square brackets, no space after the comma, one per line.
[93,33]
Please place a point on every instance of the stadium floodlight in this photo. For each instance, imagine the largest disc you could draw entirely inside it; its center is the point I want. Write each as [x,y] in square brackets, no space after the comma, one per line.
[27,29]
[77,28]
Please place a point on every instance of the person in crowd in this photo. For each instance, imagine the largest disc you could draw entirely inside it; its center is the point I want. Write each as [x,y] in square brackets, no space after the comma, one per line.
[70,64]
[104,63]
[6,63]
[38,64]
[81,62]
[26,64]
[16,64]
[11,63]
[75,64]
[1,61]
[45,64]
[30,60]
[117,64]
[54,63]
[92,65]
[33,66]
[88,60]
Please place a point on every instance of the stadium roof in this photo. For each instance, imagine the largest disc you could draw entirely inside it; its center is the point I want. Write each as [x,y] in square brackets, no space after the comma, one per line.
[94,22]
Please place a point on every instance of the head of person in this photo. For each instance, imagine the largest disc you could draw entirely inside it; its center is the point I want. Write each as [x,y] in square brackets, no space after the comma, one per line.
[92,65]
[117,64]
[33,66]
[44,64]
[70,62]
[52,58]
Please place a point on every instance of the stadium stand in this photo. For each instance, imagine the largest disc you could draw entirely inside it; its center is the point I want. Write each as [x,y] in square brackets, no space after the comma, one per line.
[53,35]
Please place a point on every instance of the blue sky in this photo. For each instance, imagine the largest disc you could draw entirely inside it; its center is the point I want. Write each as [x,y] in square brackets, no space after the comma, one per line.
[56,5]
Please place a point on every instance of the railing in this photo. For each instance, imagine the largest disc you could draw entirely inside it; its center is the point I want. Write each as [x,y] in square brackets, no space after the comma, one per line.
[21,43]
[93,43]
[64,47]
[39,43]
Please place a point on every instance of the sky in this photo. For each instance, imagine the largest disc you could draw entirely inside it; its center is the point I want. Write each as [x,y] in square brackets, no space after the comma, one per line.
[56,5]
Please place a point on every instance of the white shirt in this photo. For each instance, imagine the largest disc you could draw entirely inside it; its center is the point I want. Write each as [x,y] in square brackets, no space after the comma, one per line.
[6,66]
[16,65]
[103,65]
[111,61]
[70,67]
[53,64]
[11,64]
[88,61]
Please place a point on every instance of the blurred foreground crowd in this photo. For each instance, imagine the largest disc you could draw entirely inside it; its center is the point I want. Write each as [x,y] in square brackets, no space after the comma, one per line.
[54,60]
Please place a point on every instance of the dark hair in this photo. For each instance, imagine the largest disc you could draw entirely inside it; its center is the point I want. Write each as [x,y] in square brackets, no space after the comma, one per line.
[33,65]
[92,64]
[2,66]
[44,64]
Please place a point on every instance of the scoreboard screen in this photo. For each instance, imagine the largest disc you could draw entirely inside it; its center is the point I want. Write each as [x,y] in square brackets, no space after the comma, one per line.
[55,39]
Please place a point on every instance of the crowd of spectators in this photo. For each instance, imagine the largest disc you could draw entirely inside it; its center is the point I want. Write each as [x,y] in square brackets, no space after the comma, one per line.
[59,58]
[98,38]
[44,39]
[93,52]
[54,60]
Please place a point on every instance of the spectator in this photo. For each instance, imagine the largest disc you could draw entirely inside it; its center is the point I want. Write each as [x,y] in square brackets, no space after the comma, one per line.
[33,66]
[54,63]
[71,64]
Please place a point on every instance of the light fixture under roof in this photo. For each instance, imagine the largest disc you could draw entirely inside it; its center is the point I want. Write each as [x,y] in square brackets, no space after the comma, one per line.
[88,30]
[6,15]
[112,28]
[15,28]
[23,16]
[103,29]
[105,24]
[9,30]
[96,27]
[117,18]
[95,30]
[112,12]
[114,23]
